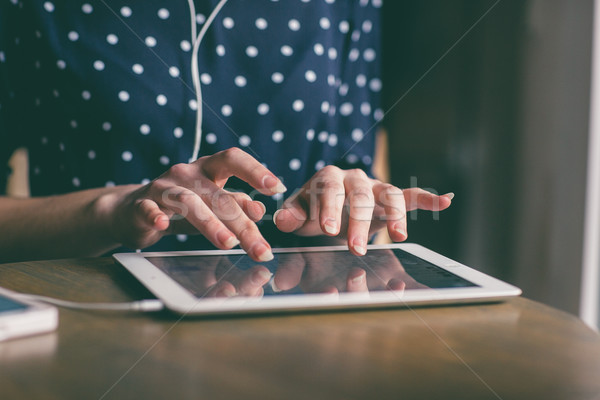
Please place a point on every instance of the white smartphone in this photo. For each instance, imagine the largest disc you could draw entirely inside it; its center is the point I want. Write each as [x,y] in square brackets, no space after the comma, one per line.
[19,317]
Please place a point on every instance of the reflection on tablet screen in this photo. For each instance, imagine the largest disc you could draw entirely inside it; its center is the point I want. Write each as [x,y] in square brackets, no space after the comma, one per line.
[308,272]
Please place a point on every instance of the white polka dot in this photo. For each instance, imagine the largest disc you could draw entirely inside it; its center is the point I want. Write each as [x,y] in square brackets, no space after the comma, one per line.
[126,12]
[150,41]
[295,164]
[367,160]
[251,51]
[331,80]
[332,53]
[211,138]
[261,23]
[364,3]
[263,109]
[178,132]
[294,25]
[377,3]
[310,134]
[277,136]
[346,109]
[343,89]
[185,45]
[344,27]
[277,196]
[324,106]
[378,114]
[361,80]
[323,136]
[228,23]
[2,56]
[73,124]
[200,18]
[319,49]
[87,8]
[287,50]
[369,55]
[123,95]
[240,81]
[164,160]
[91,155]
[220,50]
[244,141]
[375,85]
[355,36]
[61,146]
[277,77]
[73,36]
[48,6]
[367,26]
[109,184]
[332,110]
[111,38]
[137,68]
[181,237]
[86,95]
[145,181]
[193,104]
[163,13]
[352,158]
[332,140]
[144,129]
[310,76]
[56,93]
[353,55]
[174,72]
[76,182]
[298,105]
[365,109]
[206,79]
[99,65]
[226,110]
[357,135]
[324,23]
[44,140]
[127,156]
[319,165]
[106,126]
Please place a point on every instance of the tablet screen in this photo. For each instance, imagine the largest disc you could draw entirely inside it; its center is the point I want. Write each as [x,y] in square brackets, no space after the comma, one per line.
[305,272]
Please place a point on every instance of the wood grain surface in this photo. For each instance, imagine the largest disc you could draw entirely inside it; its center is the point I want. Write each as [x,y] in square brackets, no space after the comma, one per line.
[517,349]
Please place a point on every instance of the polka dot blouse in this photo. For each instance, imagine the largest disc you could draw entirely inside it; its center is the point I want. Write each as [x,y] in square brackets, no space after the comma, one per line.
[101,92]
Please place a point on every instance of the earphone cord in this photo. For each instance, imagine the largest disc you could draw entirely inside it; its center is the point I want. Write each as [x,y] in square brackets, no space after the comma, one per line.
[196,40]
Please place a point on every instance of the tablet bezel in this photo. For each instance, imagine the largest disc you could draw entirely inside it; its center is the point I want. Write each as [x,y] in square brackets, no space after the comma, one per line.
[180,300]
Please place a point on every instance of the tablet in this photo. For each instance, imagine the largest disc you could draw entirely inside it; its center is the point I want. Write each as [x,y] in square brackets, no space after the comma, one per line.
[230,282]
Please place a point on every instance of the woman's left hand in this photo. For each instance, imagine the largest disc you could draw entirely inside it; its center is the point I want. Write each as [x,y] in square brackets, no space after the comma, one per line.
[350,205]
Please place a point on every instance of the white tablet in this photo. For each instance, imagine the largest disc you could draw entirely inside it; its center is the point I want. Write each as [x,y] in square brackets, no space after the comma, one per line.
[230,282]
[21,317]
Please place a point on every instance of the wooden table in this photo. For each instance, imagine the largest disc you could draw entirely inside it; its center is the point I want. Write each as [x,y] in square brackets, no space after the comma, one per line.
[518,349]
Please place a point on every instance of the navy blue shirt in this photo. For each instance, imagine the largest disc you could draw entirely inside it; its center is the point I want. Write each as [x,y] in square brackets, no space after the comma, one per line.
[101,93]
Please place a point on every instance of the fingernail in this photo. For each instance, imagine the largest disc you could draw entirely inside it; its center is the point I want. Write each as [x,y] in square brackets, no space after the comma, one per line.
[275,287]
[262,206]
[330,227]
[358,279]
[401,230]
[449,195]
[276,214]
[263,253]
[227,239]
[360,250]
[274,184]
[228,292]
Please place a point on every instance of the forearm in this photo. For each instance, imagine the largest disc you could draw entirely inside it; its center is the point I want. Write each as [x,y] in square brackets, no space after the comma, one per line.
[70,225]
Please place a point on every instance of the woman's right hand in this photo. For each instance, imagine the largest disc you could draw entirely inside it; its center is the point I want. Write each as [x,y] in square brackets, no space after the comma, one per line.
[190,198]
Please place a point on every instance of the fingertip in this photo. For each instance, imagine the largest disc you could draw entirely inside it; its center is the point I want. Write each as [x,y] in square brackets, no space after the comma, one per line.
[160,222]
[285,221]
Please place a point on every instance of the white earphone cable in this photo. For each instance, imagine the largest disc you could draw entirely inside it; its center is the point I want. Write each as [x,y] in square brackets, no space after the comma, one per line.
[195,73]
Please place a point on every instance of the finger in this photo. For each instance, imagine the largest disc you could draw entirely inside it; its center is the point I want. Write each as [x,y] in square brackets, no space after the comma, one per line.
[417,198]
[228,212]
[151,216]
[357,280]
[292,216]
[331,199]
[191,207]
[236,162]
[396,284]
[359,192]
[222,289]
[392,200]
[255,210]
